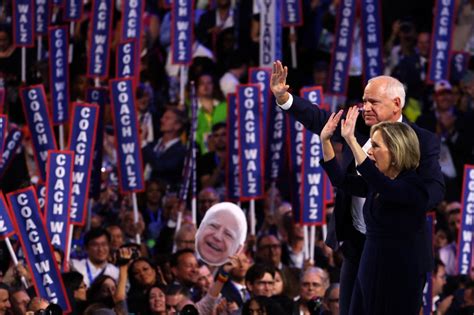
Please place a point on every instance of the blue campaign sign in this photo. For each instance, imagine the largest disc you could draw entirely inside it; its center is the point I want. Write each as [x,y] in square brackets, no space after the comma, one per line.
[73,10]
[23,26]
[38,118]
[441,41]
[232,168]
[292,13]
[3,131]
[341,54]
[182,23]
[129,154]
[7,228]
[132,13]
[372,52]
[59,73]
[467,223]
[312,175]
[251,142]
[295,150]
[82,141]
[58,198]
[99,39]
[36,247]
[42,17]
[10,148]
[126,59]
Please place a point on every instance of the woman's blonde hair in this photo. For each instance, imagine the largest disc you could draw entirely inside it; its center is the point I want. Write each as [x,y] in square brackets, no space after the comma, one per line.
[402,143]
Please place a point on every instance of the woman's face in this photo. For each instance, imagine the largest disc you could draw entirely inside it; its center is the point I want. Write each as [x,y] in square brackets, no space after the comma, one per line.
[380,154]
[255,309]
[278,286]
[108,288]
[144,273]
[157,300]
[80,293]
[218,237]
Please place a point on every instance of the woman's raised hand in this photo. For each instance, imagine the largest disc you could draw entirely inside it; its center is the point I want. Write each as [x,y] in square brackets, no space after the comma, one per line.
[348,124]
[330,126]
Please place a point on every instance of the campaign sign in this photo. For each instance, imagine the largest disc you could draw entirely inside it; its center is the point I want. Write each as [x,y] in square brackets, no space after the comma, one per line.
[459,65]
[126,59]
[371,38]
[295,149]
[312,184]
[58,198]
[99,38]
[232,166]
[270,32]
[100,97]
[292,13]
[251,142]
[129,152]
[23,23]
[36,247]
[12,143]
[428,288]
[81,141]
[262,77]
[341,54]
[73,10]
[40,189]
[42,17]
[182,22]
[3,131]
[443,20]
[467,212]
[276,142]
[6,225]
[36,112]
[59,73]
[132,13]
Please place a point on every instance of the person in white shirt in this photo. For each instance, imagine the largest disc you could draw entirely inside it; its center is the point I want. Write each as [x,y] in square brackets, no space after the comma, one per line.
[97,246]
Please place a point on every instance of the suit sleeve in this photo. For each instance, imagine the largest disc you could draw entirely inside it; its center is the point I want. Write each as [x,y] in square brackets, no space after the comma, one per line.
[353,184]
[311,116]
[429,168]
[399,191]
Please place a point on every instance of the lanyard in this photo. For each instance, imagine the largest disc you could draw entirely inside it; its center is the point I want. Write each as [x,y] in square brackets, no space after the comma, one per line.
[89,273]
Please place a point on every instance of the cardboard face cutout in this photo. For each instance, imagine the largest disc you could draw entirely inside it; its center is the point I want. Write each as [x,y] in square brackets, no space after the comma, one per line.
[222,233]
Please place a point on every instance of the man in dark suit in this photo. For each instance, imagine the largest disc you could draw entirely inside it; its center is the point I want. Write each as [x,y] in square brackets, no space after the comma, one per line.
[384,98]
[166,156]
[234,289]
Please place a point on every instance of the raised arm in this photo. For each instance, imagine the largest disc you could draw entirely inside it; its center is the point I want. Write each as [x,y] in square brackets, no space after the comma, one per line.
[347,132]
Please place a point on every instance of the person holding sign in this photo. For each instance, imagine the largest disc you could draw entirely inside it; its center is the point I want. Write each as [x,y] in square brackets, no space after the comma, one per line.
[383,100]
[221,234]
[391,268]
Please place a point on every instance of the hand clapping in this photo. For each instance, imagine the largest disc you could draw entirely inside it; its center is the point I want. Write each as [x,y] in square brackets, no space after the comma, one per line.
[330,126]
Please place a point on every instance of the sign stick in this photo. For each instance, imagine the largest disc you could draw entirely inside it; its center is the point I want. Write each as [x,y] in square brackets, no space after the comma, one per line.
[294,61]
[135,215]
[15,260]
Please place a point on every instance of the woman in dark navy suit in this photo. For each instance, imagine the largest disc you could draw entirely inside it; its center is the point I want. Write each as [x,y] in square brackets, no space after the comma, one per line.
[390,278]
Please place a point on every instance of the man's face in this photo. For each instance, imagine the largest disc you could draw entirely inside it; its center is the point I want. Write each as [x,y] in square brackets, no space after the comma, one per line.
[169,122]
[263,286]
[333,301]
[153,193]
[187,270]
[439,280]
[423,44]
[378,106]
[116,237]
[19,302]
[4,301]
[239,272]
[444,100]
[269,250]
[186,240]
[205,280]
[172,302]
[98,249]
[206,199]
[312,285]
[454,221]
[205,86]
[220,139]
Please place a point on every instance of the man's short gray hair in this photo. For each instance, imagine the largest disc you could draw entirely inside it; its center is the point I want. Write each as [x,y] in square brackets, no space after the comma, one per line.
[393,87]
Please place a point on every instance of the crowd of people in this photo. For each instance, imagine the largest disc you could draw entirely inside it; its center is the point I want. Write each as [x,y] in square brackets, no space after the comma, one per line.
[110,273]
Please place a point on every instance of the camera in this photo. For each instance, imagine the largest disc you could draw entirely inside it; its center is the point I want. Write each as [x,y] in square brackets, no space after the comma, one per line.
[120,261]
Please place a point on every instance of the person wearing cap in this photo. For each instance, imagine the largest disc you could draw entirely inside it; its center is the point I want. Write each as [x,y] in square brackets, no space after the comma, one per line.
[383,100]
[443,120]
